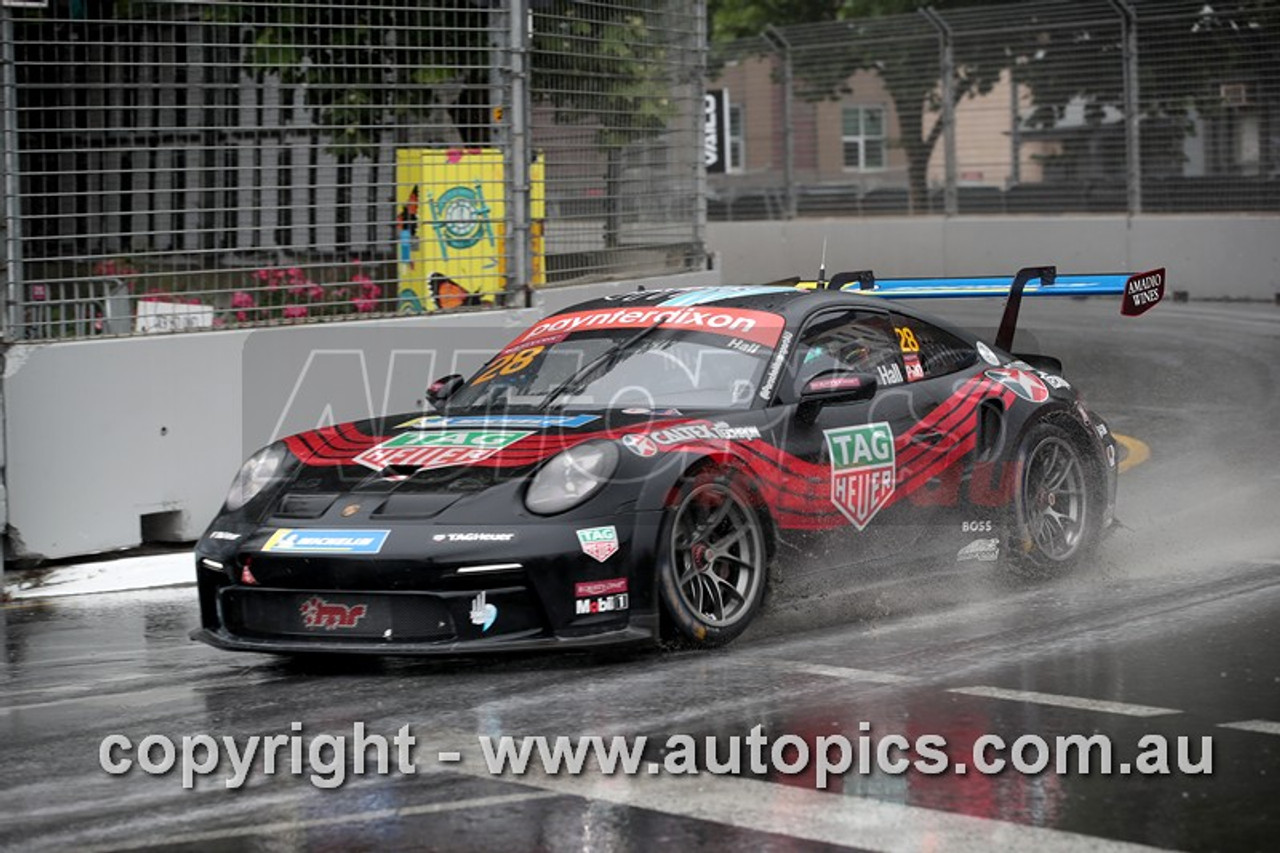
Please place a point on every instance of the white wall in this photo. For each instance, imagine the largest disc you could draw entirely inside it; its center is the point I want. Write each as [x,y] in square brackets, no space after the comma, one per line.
[1208,256]
[99,433]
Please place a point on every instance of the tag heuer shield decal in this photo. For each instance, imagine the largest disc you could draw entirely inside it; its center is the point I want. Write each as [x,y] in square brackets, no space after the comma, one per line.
[862,470]
[600,543]
[427,450]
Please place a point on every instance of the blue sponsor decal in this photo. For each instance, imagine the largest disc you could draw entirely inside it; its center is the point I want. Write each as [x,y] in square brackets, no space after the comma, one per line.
[525,421]
[714,294]
[326,541]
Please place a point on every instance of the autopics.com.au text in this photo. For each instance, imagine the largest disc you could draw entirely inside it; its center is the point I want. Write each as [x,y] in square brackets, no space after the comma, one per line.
[327,759]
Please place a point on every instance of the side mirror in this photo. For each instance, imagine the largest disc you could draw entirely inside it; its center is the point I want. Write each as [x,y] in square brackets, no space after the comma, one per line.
[444,388]
[833,388]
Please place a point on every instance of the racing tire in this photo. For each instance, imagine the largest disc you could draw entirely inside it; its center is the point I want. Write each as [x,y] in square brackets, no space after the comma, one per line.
[1057,504]
[713,562]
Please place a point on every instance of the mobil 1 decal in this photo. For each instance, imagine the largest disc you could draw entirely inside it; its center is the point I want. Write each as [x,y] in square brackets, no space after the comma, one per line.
[438,449]
[862,470]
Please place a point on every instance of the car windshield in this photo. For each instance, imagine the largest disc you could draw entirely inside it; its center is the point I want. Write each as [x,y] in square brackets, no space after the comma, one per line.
[636,366]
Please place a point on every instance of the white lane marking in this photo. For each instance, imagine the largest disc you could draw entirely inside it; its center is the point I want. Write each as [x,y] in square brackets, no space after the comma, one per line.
[1266,727]
[1077,702]
[838,819]
[336,820]
[843,672]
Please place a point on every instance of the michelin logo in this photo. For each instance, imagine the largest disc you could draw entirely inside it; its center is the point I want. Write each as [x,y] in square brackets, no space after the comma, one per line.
[327,541]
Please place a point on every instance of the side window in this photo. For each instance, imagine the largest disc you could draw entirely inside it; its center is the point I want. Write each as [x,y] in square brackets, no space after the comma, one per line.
[928,351]
[861,341]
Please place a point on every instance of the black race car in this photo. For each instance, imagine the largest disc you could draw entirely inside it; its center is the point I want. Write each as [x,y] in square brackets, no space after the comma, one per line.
[637,465]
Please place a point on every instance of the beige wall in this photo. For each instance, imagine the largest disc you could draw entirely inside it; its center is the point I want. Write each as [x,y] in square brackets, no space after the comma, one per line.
[983,124]
[984,153]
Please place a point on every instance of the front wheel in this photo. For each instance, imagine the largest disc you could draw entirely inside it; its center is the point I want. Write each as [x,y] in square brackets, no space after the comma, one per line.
[1057,508]
[714,563]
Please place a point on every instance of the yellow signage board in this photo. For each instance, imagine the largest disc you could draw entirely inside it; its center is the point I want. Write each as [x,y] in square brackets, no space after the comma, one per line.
[451,227]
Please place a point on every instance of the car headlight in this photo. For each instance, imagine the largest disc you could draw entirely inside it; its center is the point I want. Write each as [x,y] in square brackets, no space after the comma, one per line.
[571,477]
[258,472]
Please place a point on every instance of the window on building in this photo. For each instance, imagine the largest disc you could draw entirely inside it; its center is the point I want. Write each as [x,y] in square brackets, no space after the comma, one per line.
[737,140]
[862,132]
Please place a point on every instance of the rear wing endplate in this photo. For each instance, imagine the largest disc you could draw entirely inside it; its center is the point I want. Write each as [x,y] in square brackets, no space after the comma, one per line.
[1139,291]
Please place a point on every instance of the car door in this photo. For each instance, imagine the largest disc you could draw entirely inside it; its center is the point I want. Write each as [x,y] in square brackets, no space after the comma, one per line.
[849,452]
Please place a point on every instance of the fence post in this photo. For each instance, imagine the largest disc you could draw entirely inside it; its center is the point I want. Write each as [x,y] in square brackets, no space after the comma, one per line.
[1132,129]
[698,128]
[950,201]
[518,151]
[780,43]
[1015,130]
[11,322]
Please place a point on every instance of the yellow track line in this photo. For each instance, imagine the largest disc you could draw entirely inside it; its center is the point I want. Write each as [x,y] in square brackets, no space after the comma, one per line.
[1136,452]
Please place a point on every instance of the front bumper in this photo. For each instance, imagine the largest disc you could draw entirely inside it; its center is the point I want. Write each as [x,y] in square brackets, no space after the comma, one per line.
[427,594]
[643,629]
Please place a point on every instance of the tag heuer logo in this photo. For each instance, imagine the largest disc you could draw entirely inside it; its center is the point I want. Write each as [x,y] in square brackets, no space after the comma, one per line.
[863,473]
[437,449]
[600,543]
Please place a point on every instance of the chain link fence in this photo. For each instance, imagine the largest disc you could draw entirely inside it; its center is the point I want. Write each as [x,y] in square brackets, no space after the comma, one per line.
[186,165]
[1093,106]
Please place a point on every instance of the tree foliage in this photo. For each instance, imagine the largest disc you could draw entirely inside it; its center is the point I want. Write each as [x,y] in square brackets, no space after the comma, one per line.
[362,68]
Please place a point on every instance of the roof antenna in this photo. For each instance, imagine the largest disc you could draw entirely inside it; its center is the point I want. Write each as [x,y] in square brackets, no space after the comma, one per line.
[822,267]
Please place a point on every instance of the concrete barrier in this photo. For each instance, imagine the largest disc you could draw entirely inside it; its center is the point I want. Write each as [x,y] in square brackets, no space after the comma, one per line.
[114,442]
[1210,256]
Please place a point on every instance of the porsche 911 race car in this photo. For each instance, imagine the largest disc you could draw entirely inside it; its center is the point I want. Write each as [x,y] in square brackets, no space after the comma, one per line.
[641,465]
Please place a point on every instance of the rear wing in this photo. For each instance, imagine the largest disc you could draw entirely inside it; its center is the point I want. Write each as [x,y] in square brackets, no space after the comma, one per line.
[1139,291]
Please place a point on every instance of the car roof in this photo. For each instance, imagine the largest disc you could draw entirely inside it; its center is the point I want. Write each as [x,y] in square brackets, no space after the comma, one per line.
[785,300]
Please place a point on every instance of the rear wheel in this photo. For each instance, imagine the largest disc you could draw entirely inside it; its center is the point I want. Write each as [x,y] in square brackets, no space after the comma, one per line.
[714,562]
[1057,507]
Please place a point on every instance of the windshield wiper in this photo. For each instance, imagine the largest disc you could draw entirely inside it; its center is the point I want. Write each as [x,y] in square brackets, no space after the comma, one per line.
[606,359]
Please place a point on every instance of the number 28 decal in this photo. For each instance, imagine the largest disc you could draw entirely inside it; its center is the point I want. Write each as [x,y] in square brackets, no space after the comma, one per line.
[907,340]
[509,363]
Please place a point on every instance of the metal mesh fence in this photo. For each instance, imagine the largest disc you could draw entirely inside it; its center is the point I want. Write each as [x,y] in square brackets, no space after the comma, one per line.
[1137,106]
[617,94]
[181,164]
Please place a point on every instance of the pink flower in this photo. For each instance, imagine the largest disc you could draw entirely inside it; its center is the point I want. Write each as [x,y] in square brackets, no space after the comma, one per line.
[315,292]
[243,299]
[363,305]
[261,275]
[242,317]
[296,290]
[219,322]
[341,293]
[355,262]
[194,301]
[294,312]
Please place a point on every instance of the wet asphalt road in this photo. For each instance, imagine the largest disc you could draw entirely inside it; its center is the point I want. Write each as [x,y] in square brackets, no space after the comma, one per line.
[1173,631]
